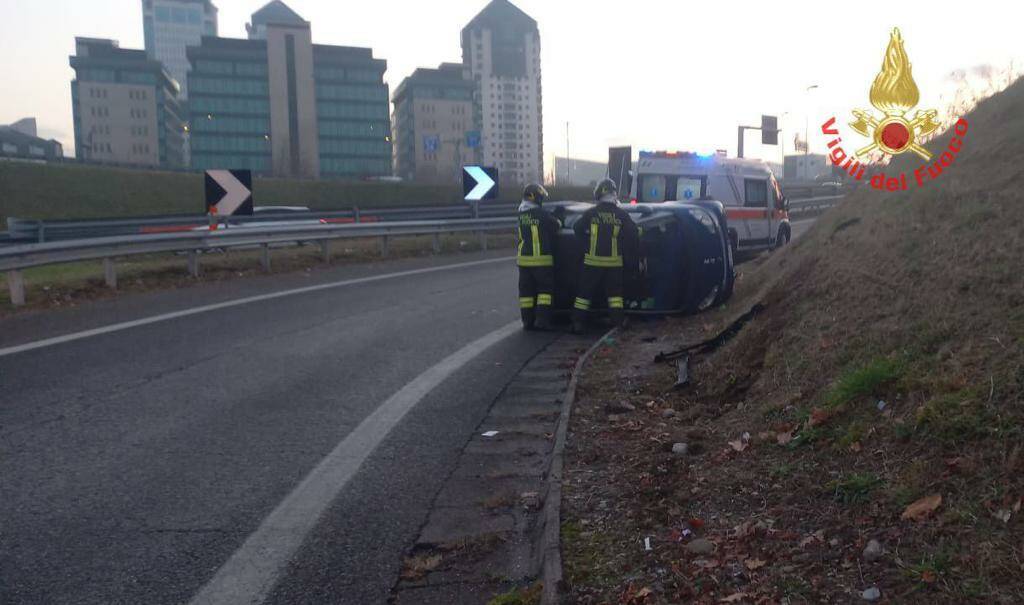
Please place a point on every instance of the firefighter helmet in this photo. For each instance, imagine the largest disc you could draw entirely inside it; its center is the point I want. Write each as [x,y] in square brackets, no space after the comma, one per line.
[606,188]
[535,193]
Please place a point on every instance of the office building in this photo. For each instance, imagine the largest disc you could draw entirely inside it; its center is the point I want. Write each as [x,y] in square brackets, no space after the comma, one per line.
[434,134]
[280,105]
[170,26]
[501,49]
[807,167]
[21,140]
[125,107]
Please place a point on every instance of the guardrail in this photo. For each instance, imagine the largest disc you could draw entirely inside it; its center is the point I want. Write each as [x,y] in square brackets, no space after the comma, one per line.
[40,231]
[13,259]
[813,204]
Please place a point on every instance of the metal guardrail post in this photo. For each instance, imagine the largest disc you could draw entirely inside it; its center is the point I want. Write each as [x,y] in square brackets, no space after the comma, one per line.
[483,241]
[325,250]
[265,257]
[193,263]
[384,245]
[16,284]
[355,214]
[437,243]
[110,273]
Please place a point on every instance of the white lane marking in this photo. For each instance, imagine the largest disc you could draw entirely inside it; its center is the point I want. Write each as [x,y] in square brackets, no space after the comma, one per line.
[49,342]
[255,567]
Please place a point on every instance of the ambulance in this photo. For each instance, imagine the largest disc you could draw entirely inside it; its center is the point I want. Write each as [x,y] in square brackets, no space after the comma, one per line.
[755,208]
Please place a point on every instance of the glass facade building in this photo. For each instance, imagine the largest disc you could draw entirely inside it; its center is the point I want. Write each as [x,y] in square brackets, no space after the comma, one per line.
[170,26]
[229,111]
[281,106]
[353,126]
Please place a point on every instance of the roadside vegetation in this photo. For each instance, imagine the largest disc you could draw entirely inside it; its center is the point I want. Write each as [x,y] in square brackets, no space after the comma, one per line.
[77,191]
[860,440]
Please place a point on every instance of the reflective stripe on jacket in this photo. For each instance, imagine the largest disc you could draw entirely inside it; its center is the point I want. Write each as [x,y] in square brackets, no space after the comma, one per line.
[605,230]
[538,231]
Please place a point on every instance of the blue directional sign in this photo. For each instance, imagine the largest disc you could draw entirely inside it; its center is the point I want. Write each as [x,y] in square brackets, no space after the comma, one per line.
[431,143]
[473,139]
[479,183]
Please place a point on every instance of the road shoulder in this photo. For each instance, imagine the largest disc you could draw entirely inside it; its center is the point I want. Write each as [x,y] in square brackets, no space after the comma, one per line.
[485,532]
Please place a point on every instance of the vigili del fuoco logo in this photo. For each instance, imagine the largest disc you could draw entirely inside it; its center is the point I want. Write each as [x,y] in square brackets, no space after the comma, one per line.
[894,93]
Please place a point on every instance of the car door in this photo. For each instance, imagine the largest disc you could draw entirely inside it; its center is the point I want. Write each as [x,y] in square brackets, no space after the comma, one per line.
[757,212]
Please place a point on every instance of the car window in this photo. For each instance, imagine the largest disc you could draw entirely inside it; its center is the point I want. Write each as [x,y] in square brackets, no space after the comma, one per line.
[756,193]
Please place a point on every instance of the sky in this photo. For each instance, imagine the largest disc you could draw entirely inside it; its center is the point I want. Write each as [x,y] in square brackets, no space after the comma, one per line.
[654,74]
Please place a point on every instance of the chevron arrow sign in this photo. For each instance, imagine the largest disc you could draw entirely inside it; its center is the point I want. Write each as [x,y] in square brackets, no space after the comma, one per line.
[229,192]
[479,183]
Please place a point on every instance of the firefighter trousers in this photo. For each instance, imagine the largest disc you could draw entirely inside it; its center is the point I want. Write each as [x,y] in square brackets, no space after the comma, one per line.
[592,280]
[536,286]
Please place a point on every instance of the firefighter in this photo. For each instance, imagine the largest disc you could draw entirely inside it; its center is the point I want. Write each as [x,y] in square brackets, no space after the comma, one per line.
[605,232]
[538,231]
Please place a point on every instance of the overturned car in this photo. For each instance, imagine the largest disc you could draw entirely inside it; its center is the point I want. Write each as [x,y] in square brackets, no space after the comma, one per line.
[684,263]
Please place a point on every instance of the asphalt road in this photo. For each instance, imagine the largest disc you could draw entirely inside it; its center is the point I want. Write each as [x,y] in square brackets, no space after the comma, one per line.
[136,463]
[154,461]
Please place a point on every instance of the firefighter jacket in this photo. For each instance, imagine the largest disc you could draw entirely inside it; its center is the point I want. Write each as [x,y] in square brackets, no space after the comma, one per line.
[606,231]
[538,232]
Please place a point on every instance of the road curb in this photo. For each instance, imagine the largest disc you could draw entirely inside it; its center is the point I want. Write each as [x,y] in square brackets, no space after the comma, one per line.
[550,545]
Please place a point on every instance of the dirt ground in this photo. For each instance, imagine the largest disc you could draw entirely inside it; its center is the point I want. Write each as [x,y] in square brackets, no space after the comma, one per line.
[861,439]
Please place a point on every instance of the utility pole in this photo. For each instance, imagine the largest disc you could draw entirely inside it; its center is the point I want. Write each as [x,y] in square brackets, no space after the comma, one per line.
[807,121]
[782,142]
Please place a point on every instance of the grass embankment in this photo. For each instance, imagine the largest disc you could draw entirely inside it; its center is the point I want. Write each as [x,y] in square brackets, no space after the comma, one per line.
[861,439]
[75,191]
[71,284]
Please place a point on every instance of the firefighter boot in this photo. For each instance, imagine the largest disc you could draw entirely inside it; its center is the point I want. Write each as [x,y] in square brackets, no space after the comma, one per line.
[543,321]
[529,318]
